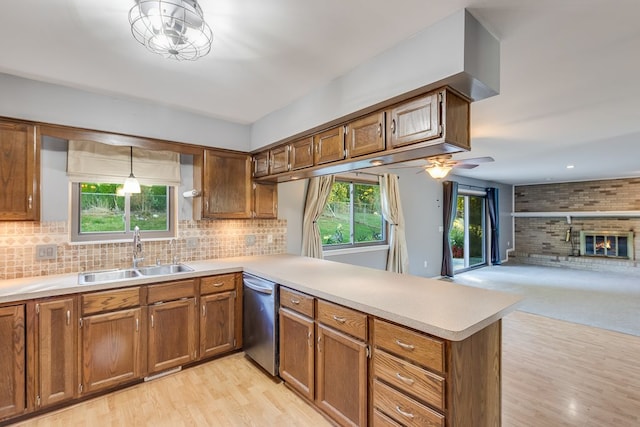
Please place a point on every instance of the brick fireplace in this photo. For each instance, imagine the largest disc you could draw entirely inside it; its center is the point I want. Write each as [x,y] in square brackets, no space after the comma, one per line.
[585,241]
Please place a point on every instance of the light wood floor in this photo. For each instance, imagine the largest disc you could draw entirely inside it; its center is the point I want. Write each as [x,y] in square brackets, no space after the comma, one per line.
[555,373]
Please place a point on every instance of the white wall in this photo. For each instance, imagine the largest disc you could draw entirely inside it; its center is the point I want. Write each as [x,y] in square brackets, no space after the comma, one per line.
[457,51]
[49,103]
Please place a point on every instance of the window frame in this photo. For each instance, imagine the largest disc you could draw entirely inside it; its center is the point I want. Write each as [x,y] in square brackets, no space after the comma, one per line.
[353,244]
[108,237]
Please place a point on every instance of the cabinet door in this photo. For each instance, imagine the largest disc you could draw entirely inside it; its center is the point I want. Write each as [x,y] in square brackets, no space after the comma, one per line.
[341,375]
[19,172]
[172,334]
[329,146]
[111,345]
[366,135]
[265,200]
[279,159]
[297,352]
[301,155]
[227,185]
[261,164]
[56,340]
[415,121]
[12,357]
[217,323]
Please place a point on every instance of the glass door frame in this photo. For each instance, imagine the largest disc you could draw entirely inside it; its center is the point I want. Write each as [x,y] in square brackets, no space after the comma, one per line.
[466,195]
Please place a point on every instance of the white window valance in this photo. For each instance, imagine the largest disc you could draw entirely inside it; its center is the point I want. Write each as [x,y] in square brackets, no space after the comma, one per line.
[90,161]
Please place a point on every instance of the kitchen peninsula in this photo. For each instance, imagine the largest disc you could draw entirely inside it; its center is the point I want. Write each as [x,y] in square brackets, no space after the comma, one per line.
[460,327]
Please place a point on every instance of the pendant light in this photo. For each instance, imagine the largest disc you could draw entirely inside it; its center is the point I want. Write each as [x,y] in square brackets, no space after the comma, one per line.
[131,184]
[438,172]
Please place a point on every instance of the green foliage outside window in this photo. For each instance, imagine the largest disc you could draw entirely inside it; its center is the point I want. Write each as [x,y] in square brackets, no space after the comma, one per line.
[352,215]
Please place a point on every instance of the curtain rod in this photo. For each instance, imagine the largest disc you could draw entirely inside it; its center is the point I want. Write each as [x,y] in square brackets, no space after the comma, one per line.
[472,186]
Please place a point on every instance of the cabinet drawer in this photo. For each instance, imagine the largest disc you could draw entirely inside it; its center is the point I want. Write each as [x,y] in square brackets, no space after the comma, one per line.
[422,349]
[381,420]
[171,291]
[98,302]
[343,319]
[409,378]
[213,284]
[296,301]
[403,409]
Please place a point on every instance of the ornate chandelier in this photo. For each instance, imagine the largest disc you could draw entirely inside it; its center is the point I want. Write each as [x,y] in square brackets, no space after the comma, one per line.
[172,28]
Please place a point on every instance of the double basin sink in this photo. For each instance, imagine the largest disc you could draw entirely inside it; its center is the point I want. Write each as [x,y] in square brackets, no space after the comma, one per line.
[131,273]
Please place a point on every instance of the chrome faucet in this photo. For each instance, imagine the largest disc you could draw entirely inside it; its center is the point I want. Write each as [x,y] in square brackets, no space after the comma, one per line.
[137,247]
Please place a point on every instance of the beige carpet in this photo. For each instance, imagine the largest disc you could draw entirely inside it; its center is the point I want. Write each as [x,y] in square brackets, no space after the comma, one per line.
[601,299]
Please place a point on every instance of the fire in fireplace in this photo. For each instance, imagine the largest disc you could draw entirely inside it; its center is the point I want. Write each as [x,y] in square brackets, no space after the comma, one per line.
[607,244]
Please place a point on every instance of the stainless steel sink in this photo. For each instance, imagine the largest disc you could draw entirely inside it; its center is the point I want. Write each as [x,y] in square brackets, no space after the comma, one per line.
[160,270]
[107,276]
[131,273]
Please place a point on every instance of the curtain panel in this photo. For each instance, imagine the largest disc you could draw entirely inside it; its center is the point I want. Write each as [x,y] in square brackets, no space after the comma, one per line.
[318,191]
[90,161]
[494,219]
[449,206]
[398,257]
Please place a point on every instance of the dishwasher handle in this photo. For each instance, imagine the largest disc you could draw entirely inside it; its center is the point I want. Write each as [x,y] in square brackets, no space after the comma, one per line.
[254,286]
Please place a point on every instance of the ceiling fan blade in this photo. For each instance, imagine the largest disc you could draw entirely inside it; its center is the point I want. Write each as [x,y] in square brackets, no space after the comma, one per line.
[465,166]
[476,160]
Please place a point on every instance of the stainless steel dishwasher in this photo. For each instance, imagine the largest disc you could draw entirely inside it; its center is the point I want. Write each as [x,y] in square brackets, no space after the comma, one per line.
[260,322]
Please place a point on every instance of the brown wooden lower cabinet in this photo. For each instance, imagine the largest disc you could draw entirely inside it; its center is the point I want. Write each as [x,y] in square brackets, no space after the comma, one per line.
[57,332]
[341,374]
[172,334]
[111,349]
[297,352]
[12,357]
[217,323]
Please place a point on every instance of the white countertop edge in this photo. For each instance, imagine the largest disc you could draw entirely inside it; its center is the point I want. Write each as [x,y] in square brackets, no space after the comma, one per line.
[48,286]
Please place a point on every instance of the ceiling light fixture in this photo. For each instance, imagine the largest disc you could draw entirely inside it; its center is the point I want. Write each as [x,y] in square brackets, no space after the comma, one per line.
[131,184]
[172,28]
[438,172]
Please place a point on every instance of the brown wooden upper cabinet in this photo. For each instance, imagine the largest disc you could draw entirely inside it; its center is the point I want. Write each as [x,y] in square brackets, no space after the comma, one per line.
[261,164]
[301,155]
[329,145]
[226,185]
[279,159]
[19,171]
[366,135]
[265,200]
[414,121]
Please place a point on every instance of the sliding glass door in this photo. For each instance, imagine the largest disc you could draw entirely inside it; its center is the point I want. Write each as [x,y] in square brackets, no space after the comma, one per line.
[468,233]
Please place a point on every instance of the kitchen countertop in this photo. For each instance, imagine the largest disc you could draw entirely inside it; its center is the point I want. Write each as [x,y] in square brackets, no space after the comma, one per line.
[436,307]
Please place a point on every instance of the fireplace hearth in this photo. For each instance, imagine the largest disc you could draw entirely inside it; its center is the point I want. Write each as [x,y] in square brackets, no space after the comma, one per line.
[607,244]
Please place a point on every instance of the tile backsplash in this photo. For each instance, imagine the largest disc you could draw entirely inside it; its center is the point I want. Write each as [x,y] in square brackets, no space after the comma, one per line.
[197,240]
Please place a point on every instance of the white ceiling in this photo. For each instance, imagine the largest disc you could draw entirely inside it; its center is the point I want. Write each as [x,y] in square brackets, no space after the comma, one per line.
[569,68]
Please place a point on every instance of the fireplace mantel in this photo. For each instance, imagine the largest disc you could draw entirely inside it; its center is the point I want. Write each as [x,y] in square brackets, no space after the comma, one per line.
[577,214]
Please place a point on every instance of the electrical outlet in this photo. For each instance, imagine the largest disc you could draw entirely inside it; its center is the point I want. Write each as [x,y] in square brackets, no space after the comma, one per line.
[441,229]
[425,263]
[46,252]
[269,238]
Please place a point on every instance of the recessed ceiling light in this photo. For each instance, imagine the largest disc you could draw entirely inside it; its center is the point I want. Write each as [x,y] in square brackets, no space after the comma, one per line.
[570,166]
[376,162]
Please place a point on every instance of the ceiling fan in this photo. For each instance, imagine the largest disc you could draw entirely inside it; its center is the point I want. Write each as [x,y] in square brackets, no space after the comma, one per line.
[438,167]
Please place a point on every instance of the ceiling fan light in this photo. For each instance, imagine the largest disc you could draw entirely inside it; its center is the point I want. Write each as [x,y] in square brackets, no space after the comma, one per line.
[438,172]
[172,28]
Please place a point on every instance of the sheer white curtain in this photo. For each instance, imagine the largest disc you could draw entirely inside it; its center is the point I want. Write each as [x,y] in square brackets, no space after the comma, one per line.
[398,258]
[318,192]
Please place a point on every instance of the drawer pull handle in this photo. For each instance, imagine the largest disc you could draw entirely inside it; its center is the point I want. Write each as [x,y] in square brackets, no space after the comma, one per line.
[404,379]
[295,301]
[217,285]
[401,412]
[339,319]
[405,345]
[68,317]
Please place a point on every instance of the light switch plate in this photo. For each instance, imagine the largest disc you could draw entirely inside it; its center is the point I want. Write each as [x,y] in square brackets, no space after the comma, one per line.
[46,252]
